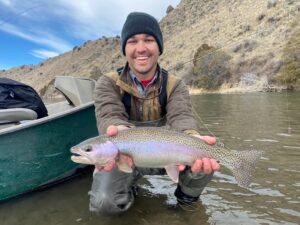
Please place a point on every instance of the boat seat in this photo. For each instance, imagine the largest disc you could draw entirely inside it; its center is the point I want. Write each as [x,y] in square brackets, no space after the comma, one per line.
[14,115]
[76,90]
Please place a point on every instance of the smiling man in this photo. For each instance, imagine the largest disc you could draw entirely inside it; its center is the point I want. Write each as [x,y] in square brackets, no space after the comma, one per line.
[143,94]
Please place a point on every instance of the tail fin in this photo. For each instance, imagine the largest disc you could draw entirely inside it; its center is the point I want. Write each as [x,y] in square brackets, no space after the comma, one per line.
[244,169]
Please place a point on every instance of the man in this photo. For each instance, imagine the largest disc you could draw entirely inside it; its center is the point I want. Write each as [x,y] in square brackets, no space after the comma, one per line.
[143,94]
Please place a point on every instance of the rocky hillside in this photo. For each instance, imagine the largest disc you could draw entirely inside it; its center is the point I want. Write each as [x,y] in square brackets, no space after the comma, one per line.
[253,35]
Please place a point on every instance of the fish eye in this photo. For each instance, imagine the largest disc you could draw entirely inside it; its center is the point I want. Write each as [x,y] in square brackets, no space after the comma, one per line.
[88,148]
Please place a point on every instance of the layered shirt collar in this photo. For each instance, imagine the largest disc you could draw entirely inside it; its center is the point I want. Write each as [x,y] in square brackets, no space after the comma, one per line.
[129,82]
[140,87]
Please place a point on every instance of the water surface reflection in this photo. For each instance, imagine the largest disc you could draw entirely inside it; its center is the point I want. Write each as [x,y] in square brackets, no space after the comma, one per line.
[241,121]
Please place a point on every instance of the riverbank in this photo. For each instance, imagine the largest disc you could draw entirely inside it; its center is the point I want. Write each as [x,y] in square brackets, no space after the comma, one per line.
[238,88]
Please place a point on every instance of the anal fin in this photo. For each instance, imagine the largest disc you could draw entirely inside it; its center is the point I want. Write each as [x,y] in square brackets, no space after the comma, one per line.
[173,172]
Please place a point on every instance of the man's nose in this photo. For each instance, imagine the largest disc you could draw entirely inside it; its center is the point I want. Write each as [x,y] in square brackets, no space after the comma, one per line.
[141,46]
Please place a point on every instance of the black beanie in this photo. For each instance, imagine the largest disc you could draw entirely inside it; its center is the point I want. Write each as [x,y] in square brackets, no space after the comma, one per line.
[141,23]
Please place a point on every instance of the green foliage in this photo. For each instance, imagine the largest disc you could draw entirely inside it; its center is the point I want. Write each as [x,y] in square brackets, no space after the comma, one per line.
[210,68]
[290,74]
[290,71]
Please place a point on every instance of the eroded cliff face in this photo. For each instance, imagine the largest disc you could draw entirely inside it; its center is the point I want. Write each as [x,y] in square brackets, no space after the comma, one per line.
[253,34]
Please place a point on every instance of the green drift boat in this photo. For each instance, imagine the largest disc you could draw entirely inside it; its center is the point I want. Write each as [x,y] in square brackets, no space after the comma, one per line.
[35,153]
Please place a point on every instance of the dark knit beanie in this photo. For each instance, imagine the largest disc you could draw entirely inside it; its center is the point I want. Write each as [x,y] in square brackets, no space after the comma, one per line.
[141,23]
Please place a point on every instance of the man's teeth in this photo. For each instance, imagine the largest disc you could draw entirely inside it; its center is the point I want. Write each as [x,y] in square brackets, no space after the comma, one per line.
[142,57]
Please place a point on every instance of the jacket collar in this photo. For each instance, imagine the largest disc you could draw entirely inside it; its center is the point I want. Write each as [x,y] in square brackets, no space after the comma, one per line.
[127,84]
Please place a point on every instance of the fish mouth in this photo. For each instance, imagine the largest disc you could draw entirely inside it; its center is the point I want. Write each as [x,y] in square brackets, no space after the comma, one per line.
[75,154]
[76,151]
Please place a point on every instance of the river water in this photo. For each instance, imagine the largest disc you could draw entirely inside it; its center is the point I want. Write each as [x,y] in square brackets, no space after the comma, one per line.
[263,121]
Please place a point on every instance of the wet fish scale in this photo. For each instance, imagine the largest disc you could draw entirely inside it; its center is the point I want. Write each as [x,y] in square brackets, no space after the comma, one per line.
[159,147]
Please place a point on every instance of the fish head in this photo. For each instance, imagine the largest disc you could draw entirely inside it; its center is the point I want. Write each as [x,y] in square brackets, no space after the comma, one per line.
[99,154]
[86,148]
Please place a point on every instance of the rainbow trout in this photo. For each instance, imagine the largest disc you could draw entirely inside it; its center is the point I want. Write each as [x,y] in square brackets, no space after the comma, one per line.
[161,148]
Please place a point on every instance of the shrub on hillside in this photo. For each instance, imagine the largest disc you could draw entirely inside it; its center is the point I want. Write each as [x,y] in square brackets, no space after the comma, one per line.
[96,73]
[210,68]
[290,70]
[169,9]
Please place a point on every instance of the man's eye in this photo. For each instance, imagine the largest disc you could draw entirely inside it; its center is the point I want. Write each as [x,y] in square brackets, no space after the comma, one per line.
[131,41]
[149,40]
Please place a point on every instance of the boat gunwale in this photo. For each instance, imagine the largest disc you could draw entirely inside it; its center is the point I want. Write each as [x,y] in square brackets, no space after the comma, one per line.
[45,119]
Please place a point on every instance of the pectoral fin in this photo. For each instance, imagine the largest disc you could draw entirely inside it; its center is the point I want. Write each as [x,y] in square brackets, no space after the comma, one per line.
[123,164]
[173,172]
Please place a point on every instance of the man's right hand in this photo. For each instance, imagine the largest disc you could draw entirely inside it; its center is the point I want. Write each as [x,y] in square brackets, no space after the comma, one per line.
[113,130]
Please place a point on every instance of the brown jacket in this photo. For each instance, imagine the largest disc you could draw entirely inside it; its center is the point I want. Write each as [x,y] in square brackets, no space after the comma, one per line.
[110,109]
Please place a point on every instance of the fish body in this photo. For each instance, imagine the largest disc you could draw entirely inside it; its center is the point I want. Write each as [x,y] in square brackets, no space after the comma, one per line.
[162,148]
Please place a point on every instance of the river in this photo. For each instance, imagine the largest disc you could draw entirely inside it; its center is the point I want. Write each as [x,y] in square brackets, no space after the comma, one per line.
[265,121]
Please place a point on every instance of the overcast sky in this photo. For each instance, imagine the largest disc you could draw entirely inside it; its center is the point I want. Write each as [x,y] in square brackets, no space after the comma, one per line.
[32,31]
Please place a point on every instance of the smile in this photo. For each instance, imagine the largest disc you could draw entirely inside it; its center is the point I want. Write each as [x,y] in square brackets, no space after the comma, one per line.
[142,57]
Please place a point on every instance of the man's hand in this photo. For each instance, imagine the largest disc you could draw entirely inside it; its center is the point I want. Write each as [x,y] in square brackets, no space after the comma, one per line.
[204,165]
[113,130]
[208,139]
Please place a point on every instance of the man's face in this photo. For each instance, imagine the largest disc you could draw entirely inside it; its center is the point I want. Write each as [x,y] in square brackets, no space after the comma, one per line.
[142,53]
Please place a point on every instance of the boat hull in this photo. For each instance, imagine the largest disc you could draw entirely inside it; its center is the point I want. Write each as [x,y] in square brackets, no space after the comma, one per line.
[37,153]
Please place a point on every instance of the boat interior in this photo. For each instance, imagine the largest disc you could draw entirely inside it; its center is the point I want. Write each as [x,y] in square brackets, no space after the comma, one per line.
[77,91]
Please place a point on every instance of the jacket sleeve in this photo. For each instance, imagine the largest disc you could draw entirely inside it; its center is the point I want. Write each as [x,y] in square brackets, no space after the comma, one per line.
[109,108]
[179,109]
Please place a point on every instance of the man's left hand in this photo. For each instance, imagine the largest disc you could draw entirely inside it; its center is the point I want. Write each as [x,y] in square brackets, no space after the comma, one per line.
[204,165]
[208,139]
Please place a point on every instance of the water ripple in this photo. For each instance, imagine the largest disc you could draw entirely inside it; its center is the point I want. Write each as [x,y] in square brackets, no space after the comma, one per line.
[284,134]
[296,184]
[292,147]
[294,202]
[224,178]
[242,194]
[294,171]
[273,169]
[267,140]
[267,192]
[237,217]
[161,185]
[289,211]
